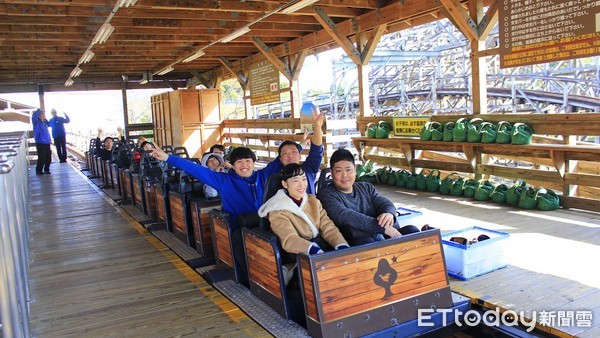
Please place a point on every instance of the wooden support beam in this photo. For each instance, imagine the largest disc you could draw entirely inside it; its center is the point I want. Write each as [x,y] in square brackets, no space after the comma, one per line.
[339,37]
[489,20]
[274,59]
[461,19]
[242,79]
[298,62]
[202,79]
[369,48]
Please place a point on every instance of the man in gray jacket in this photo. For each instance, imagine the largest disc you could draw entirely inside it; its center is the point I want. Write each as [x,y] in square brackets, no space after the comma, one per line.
[362,214]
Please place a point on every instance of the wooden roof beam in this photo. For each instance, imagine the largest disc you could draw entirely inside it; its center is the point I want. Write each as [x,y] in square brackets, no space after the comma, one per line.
[461,19]
[241,77]
[340,38]
[274,59]
[489,20]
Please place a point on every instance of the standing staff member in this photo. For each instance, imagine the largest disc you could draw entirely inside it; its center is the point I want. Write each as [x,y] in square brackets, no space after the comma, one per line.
[42,142]
[57,124]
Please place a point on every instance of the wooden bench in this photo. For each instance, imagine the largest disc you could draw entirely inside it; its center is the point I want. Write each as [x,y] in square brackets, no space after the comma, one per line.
[374,287]
[150,198]
[356,291]
[570,166]
[161,203]
[265,270]
[116,178]
[138,191]
[225,267]
[200,220]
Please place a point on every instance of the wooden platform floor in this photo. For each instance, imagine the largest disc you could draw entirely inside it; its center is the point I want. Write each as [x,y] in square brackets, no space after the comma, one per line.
[553,257]
[98,273]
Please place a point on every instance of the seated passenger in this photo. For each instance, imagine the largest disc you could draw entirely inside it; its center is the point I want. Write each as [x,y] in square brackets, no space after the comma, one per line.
[141,142]
[219,149]
[241,190]
[289,152]
[214,162]
[106,152]
[298,219]
[360,212]
[144,146]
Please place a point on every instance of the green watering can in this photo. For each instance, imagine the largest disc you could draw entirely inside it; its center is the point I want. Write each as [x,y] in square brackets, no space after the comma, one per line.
[447,182]
[371,130]
[437,131]
[402,177]
[392,178]
[521,134]
[527,199]
[433,181]
[469,187]
[425,134]
[484,189]
[514,193]
[547,199]
[457,187]
[411,181]
[459,134]
[433,131]
[504,134]
[421,181]
[383,130]
[489,132]
[498,194]
[448,131]
[474,130]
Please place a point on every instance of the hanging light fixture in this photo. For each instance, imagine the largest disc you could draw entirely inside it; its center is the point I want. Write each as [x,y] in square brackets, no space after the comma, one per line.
[165,70]
[76,71]
[146,77]
[126,3]
[103,33]
[69,82]
[236,34]
[86,57]
[199,53]
[297,6]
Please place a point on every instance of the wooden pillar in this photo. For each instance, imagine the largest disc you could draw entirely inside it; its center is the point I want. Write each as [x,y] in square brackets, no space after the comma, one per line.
[478,63]
[125,109]
[295,99]
[363,90]
[41,97]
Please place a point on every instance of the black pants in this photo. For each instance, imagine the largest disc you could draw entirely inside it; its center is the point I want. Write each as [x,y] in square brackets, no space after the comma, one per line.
[61,148]
[44,157]
[358,237]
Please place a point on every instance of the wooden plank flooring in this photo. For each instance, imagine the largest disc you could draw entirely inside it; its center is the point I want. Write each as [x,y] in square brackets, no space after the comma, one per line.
[553,256]
[98,273]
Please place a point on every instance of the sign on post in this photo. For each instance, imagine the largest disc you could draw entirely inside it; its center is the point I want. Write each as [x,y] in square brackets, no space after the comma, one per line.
[409,125]
[540,31]
[264,83]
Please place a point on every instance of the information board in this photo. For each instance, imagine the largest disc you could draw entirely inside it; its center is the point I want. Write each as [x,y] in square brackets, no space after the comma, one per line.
[409,125]
[539,31]
[264,83]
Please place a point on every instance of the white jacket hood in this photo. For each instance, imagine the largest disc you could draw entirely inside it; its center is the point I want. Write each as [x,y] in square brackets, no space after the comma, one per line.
[209,155]
[282,202]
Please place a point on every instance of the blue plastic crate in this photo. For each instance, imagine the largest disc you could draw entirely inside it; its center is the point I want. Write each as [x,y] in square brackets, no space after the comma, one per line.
[406,216]
[467,261]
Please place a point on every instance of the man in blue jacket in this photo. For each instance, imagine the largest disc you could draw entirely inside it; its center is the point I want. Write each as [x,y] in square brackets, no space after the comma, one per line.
[42,142]
[59,134]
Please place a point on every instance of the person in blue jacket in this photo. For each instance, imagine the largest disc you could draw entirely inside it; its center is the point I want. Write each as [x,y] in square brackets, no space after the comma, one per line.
[59,134]
[289,151]
[42,142]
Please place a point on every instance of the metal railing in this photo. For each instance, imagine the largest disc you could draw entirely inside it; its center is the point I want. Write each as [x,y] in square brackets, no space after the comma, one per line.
[14,234]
